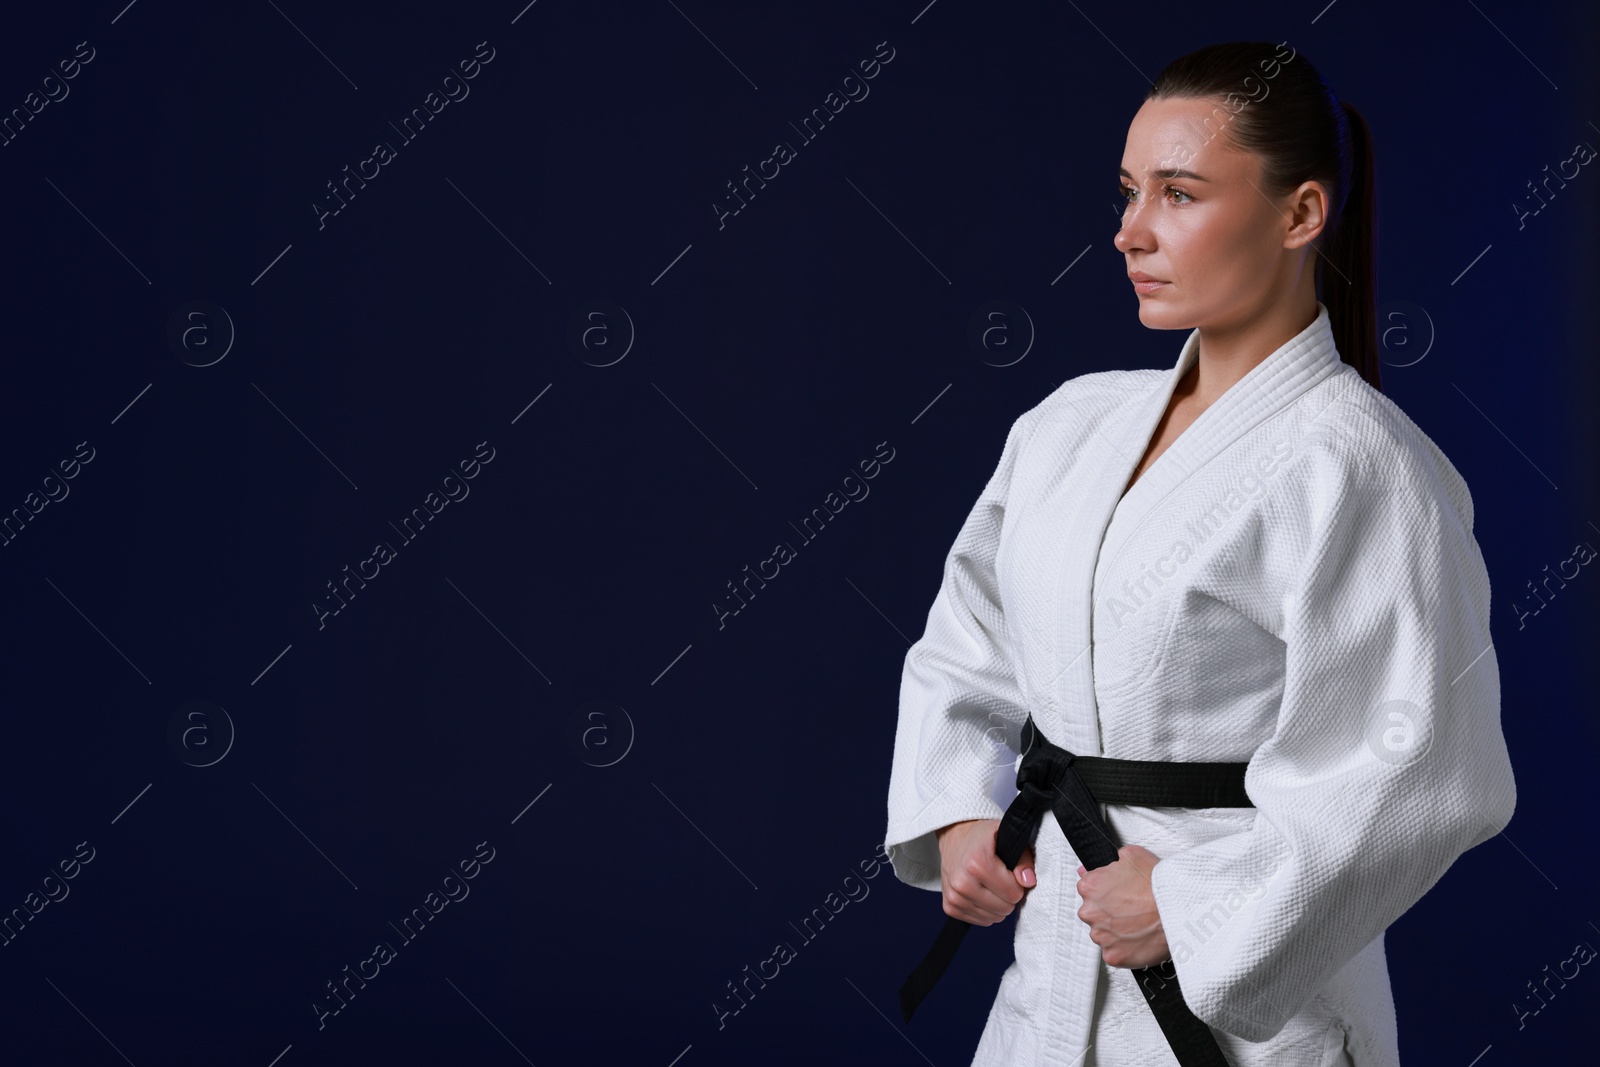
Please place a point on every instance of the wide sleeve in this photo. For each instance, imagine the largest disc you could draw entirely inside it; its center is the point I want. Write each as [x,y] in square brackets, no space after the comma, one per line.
[1387,760]
[959,695]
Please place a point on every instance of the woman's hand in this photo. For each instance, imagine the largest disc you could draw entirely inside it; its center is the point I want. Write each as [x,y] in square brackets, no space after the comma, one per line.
[977,886]
[1121,911]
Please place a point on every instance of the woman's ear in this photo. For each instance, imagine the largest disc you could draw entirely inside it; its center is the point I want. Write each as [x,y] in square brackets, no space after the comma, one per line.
[1306,213]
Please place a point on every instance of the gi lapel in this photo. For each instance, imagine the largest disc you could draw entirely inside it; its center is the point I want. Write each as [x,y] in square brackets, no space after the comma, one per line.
[1118,444]
[1102,517]
[1268,388]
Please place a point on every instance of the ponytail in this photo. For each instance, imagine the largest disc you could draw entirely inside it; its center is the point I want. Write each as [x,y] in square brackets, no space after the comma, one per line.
[1347,279]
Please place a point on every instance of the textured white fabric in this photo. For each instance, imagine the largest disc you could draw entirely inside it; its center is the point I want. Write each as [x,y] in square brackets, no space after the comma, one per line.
[1294,583]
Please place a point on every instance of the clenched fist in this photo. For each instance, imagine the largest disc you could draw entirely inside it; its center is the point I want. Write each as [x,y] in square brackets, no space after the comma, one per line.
[1120,909]
[977,886]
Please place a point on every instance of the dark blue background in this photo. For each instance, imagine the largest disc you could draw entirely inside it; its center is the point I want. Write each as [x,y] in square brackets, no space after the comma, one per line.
[776,353]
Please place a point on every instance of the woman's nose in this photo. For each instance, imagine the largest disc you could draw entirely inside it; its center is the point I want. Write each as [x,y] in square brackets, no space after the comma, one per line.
[1133,234]
[1130,236]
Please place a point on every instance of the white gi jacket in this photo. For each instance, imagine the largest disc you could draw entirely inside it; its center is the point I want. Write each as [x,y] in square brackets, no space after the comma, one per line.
[1294,583]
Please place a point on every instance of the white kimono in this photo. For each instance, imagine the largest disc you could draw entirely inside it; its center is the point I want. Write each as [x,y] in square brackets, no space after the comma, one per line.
[1293,583]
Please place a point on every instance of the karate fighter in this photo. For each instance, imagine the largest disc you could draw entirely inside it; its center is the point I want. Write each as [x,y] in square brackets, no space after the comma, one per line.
[1254,558]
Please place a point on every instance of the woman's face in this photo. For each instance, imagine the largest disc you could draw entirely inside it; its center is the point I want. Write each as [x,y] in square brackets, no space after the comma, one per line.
[1196,217]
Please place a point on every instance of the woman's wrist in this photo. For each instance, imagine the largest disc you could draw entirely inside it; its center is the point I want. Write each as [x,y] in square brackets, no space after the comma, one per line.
[939,833]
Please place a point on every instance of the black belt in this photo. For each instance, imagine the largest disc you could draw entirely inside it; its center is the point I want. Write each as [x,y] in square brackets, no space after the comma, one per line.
[1074,787]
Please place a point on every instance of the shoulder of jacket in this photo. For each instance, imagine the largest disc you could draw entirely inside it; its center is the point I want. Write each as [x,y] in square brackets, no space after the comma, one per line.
[1363,433]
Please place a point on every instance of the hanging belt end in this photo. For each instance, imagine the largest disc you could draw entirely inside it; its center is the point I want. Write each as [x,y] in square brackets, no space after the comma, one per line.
[908,1002]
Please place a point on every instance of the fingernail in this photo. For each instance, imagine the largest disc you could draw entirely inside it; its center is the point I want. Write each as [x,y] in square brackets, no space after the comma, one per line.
[1027,876]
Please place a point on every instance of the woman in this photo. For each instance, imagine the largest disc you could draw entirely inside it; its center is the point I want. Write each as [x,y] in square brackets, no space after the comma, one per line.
[1254,558]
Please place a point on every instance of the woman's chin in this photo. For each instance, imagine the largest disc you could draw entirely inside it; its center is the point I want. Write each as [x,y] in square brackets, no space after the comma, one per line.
[1156,315]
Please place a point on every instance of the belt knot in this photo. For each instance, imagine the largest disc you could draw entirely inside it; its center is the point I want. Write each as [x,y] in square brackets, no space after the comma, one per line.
[1044,765]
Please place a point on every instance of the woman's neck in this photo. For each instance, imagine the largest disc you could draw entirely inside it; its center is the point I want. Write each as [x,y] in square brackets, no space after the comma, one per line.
[1228,352]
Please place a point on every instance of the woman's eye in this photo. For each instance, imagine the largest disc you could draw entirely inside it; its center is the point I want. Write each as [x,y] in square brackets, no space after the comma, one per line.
[1127,193]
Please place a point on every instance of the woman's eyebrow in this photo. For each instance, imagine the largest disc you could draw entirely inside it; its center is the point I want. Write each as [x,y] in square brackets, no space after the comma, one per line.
[1170,172]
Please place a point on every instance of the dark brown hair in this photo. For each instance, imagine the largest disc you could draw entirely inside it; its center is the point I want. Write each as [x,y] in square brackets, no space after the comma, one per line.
[1278,107]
